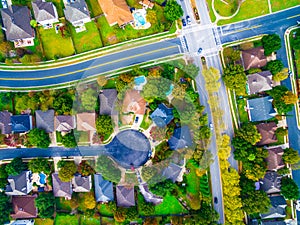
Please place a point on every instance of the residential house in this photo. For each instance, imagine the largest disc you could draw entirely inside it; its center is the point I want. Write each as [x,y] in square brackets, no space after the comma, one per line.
[86,121]
[64,123]
[277,209]
[267,132]
[271,183]
[20,184]
[82,183]
[16,24]
[147,4]
[45,120]
[116,12]
[260,109]
[274,159]
[77,12]
[254,58]
[60,188]
[273,222]
[45,13]
[5,125]
[162,115]
[125,196]
[259,82]
[103,189]
[21,123]
[181,138]
[174,172]
[107,98]
[134,102]
[24,207]
[22,222]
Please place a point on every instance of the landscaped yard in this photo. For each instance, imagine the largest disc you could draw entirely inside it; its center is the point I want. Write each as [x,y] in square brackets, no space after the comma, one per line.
[146,122]
[104,210]
[86,40]
[170,205]
[62,204]
[40,221]
[249,9]
[54,44]
[297,61]
[94,8]
[66,220]
[226,9]
[283,4]
[193,180]
[243,115]
[84,220]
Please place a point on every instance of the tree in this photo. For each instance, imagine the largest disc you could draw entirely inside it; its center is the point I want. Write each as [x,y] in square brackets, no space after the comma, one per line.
[271,43]
[280,131]
[151,16]
[85,169]
[158,133]
[290,156]
[282,75]
[173,10]
[235,55]
[89,99]
[132,213]
[204,132]
[235,78]
[179,91]
[15,167]
[206,160]
[256,202]
[67,169]
[296,40]
[4,207]
[39,138]
[30,59]
[156,88]
[278,93]
[274,66]
[69,141]
[38,165]
[126,77]
[45,203]
[102,81]
[249,133]
[289,189]
[148,172]
[108,169]
[5,47]
[146,207]
[120,215]
[63,104]
[290,98]
[104,125]
[191,70]
[89,200]
[150,221]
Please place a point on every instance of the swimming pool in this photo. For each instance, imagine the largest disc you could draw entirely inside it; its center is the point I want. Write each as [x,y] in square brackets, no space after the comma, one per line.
[139,19]
[170,90]
[42,178]
[139,80]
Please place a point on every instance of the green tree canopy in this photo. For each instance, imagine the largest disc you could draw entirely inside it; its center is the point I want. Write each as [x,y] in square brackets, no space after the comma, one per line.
[67,169]
[104,125]
[85,169]
[173,10]
[63,104]
[289,189]
[249,133]
[39,138]
[5,208]
[271,43]
[45,203]
[108,169]
[38,165]
[15,167]
[280,94]
[282,75]
[290,156]
[296,40]
[274,66]
[89,99]
[235,78]
[69,140]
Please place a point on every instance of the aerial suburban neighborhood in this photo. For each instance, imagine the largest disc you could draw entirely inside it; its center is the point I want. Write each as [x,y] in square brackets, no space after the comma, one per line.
[150,112]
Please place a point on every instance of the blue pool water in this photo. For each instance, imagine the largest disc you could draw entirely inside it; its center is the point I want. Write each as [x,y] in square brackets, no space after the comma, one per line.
[42,178]
[139,19]
[170,90]
[139,80]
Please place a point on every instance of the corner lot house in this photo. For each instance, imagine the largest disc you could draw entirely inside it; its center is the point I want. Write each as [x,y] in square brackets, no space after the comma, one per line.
[45,13]
[16,23]
[254,58]
[77,12]
[20,184]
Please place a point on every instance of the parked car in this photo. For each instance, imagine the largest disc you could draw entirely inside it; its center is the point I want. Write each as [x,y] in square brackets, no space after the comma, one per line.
[199,51]
[183,22]
[215,200]
[136,119]
[211,126]
[188,20]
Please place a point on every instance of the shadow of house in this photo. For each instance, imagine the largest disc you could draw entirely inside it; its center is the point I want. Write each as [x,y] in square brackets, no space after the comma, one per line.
[103,189]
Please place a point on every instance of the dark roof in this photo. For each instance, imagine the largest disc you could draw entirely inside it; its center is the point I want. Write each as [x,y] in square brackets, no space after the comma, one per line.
[267,132]
[45,120]
[23,207]
[181,138]
[103,189]
[76,10]
[172,172]
[254,58]
[44,11]
[271,183]
[273,223]
[16,21]
[61,189]
[21,123]
[107,99]
[261,109]
[5,126]
[259,82]
[64,123]
[274,159]
[20,184]
[125,196]
[162,115]
[82,183]
[277,209]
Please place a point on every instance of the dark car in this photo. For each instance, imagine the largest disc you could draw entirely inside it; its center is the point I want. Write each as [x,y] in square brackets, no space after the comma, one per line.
[199,51]
[183,22]
[215,200]
[188,20]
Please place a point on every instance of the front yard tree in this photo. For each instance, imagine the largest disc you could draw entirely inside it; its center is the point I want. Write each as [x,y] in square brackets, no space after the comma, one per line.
[5,208]
[191,70]
[39,138]
[15,167]
[282,75]
[290,156]
[45,204]
[151,16]
[278,93]
[289,189]
[249,133]
[256,202]
[108,169]
[104,125]
[69,141]
[85,169]
[89,99]
[102,81]
[38,165]
[173,10]
[290,98]
[271,43]
[274,66]
[235,78]
[63,104]
[67,169]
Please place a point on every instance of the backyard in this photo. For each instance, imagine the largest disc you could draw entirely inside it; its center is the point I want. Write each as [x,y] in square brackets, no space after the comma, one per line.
[243,115]
[39,221]
[170,205]
[61,219]
[283,4]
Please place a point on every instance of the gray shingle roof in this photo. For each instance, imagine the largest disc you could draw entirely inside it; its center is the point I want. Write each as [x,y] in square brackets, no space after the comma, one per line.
[76,11]
[172,172]
[107,99]
[261,109]
[5,126]
[82,184]
[277,209]
[274,159]
[162,115]
[16,21]
[61,189]
[125,196]
[103,189]
[273,223]
[45,120]
[181,138]
[20,184]
[21,123]
[44,11]
[259,82]
[64,123]
[271,183]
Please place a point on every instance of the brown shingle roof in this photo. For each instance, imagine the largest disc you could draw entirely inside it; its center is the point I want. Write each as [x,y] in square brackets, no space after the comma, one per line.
[64,123]
[267,131]
[116,11]
[125,196]
[133,102]
[23,207]
[254,58]
[61,189]
[274,159]
[86,121]
[259,82]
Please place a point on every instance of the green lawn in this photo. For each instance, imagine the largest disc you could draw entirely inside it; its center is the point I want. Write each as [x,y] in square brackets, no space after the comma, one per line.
[86,40]
[211,13]
[225,9]
[111,84]
[146,122]
[193,180]
[249,9]
[81,136]
[283,4]
[66,220]
[54,44]
[170,205]
[297,61]
[243,115]
[89,220]
[40,221]
[62,204]
[104,210]
[134,3]
[59,7]
[94,8]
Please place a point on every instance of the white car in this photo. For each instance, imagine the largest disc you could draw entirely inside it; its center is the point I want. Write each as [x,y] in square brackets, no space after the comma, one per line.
[211,126]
